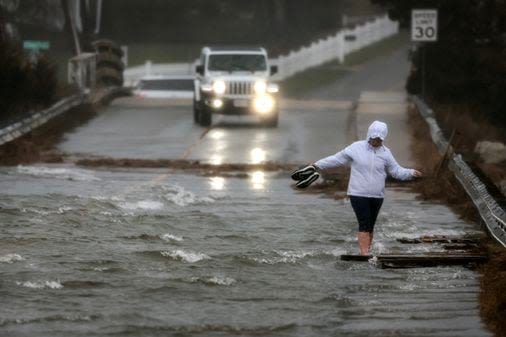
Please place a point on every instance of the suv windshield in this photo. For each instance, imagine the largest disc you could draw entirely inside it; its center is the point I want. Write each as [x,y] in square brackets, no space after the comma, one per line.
[226,62]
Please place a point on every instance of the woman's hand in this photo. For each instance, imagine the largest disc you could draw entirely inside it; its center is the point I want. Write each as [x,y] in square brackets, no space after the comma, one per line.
[417,174]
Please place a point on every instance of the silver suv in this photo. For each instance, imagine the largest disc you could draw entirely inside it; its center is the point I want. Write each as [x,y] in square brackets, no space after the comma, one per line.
[235,81]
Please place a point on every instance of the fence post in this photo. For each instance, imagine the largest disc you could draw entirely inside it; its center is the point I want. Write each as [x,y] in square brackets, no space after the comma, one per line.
[340,46]
[148,67]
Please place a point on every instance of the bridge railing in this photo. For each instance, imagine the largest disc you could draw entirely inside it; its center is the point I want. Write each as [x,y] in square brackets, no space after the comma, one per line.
[31,120]
[36,119]
[491,213]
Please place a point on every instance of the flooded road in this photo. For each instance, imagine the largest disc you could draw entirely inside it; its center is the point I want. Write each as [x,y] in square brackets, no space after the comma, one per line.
[150,252]
[158,252]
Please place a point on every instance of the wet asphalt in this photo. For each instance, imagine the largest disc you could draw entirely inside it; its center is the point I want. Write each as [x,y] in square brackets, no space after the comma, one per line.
[151,252]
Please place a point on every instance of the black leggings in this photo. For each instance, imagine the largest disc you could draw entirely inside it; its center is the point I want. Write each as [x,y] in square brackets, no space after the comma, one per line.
[366,209]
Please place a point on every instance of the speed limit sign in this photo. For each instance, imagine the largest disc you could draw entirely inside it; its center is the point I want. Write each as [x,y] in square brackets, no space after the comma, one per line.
[424,25]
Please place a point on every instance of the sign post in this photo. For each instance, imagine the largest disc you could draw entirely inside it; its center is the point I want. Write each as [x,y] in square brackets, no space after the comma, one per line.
[423,30]
[34,47]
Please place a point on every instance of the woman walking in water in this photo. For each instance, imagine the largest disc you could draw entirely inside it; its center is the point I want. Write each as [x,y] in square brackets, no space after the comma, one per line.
[370,163]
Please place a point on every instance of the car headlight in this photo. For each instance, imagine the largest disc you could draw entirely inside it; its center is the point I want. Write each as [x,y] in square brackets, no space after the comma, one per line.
[264,104]
[207,87]
[219,87]
[272,88]
[217,103]
[260,87]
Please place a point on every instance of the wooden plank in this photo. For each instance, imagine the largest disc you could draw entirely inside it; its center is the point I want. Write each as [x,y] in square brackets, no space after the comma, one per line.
[438,239]
[417,261]
[357,258]
[469,247]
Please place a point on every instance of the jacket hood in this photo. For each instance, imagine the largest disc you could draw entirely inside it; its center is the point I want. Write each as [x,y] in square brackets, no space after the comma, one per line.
[377,130]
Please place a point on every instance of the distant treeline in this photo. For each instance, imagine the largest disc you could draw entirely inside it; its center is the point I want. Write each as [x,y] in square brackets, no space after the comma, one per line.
[227,21]
[468,62]
[28,83]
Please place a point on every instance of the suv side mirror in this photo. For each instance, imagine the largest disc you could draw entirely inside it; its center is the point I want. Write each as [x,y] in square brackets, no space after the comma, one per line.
[199,69]
[274,70]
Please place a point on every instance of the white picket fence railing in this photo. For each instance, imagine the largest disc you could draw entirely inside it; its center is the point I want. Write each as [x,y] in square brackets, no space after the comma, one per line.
[334,47]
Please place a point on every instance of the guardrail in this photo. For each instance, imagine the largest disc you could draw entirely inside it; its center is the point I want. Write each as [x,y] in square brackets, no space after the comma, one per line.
[36,119]
[491,213]
[317,53]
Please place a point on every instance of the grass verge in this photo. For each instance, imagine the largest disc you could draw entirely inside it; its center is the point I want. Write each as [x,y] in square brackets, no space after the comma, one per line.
[439,183]
[330,72]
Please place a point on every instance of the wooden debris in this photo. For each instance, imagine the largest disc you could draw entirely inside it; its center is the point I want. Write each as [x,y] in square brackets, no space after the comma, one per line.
[462,246]
[439,239]
[417,261]
[356,257]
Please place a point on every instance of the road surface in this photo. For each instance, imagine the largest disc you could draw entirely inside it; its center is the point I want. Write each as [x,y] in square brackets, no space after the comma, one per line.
[150,252]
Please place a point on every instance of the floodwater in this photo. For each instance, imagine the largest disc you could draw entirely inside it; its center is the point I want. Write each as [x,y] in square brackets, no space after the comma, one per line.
[157,253]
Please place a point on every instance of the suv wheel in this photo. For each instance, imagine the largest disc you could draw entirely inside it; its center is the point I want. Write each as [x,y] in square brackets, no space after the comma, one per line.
[206,117]
[196,112]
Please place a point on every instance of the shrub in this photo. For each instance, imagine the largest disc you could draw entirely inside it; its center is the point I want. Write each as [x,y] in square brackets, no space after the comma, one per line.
[25,83]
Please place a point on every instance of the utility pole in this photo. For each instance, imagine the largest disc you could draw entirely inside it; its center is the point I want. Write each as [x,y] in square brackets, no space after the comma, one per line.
[3,33]
[71,25]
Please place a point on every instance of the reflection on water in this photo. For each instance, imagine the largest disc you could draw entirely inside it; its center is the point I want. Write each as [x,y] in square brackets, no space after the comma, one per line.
[216,134]
[258,180]
[216,159]
[257,155]
[218,146]
[217,183]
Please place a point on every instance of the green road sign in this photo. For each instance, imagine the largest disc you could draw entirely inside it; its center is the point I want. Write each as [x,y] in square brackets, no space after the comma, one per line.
[35,44]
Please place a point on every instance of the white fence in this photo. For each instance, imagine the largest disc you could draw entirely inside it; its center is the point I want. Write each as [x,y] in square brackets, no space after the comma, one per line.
[82,70]
[334,47]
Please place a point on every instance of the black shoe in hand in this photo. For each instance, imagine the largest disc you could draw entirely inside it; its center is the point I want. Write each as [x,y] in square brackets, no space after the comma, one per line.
[303,173]
[308,181]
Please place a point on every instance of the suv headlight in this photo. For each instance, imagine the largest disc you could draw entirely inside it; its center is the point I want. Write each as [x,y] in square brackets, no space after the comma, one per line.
[272,88]
[264,104]
[206,87]
[219,87]
[260,87]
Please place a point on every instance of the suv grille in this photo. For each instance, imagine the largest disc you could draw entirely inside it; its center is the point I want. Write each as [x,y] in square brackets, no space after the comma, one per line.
[239,88]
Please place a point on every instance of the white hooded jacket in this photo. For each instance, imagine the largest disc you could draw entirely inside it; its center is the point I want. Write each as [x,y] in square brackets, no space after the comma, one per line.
[369,165]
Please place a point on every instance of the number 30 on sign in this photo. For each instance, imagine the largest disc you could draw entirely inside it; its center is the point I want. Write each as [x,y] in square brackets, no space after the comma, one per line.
[424,25]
